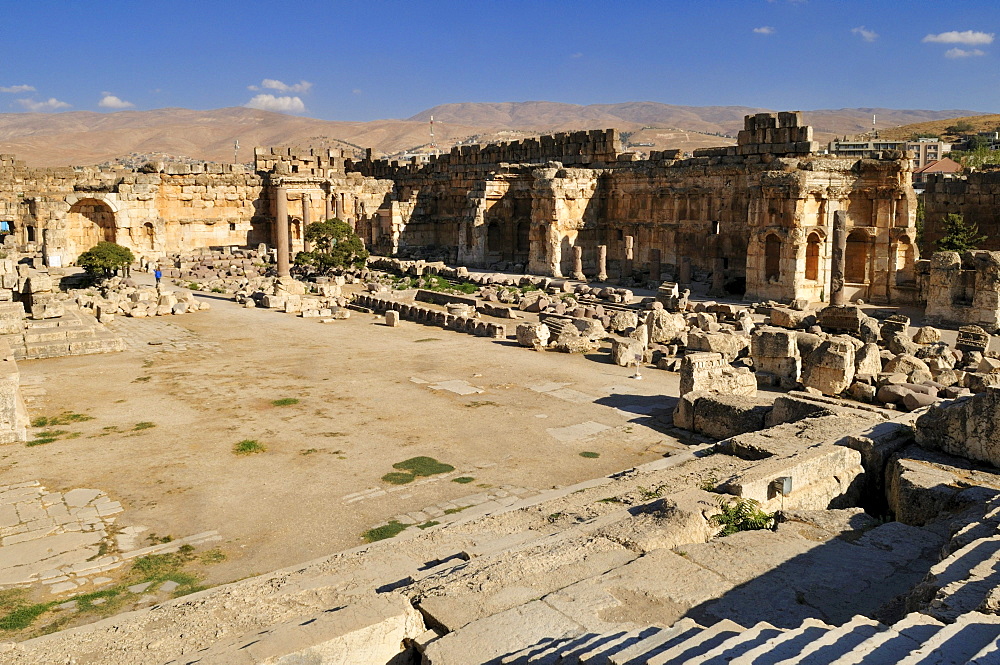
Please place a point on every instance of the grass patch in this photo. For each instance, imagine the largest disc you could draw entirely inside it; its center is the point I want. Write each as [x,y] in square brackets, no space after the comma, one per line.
[23,616]
[332,434]
[427,525]
[590,455]
[429,339]
[160,568]
[284,401]
[249,447]
[398,478]
[452,511]
[53,433]
[476,405]
[308,451]
[212,556]
[141,379]
[64,418]
[143,425]
[423,466]
[41,441]
[463,480]
[610,499]
[390,530]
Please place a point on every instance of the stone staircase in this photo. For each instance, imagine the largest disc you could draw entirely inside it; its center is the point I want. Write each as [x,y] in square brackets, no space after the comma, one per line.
[917,639]
[967,579]
[72,334]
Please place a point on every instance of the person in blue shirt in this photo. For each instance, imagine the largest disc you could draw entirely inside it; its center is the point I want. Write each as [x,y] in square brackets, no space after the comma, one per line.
[157,274]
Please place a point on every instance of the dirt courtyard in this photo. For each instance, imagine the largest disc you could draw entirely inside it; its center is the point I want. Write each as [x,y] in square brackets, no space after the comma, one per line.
[369,396]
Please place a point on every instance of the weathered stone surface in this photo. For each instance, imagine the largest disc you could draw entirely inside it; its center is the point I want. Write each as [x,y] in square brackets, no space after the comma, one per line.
[723,416]
[626,352]
[532,335]
[623,320]
[710,372]
[966,427]
[731,346]
[776,352]
[868,361]
[830,368]
[665,326]
[927,335]
[785,317]
[906,364]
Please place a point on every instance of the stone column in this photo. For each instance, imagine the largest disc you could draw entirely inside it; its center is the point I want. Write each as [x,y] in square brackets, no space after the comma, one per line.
[281,229]
[306,220]
[718,287]
[655,270]
[340,206]
[326,207]
[684,271]
[578,263]
[602,263]
[629,256]
[837,258]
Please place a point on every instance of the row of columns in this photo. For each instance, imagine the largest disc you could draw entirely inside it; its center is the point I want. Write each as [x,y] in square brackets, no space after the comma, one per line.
[281,230]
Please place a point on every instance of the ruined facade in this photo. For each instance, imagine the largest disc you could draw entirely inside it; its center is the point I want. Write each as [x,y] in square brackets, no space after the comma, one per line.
[758,215]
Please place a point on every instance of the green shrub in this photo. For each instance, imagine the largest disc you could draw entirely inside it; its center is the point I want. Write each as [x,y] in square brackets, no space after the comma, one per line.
[249,447]
[105,258]
[741,515]
[285,401]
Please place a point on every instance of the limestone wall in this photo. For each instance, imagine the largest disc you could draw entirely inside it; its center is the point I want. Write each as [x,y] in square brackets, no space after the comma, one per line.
[963,289]
[976,196]
[759,212]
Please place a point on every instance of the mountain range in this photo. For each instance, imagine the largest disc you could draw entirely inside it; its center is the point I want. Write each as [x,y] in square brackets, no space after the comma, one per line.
[85,137]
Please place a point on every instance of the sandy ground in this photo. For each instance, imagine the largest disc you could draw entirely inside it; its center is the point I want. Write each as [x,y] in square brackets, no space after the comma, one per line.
[365,403]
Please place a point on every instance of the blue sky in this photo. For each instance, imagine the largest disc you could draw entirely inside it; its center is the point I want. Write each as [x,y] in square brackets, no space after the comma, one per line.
[371,60]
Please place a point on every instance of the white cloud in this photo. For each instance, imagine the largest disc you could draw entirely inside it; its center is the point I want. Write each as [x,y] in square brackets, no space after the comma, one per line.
[576,55]
[764,30]
[356,91]
[963,53]
[17,88]
[109,101]
[280,104]
[968,37]
[865,33]
[275,84]
[50,104]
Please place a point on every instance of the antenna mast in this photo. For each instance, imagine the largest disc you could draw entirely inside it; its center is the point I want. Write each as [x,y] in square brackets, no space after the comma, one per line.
[434,144]
[236,151]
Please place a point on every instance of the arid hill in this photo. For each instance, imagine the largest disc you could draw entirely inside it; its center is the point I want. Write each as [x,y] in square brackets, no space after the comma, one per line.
[85,137]
[979,123]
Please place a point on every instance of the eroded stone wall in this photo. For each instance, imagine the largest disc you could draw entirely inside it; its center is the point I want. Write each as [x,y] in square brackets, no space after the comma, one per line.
[758,215]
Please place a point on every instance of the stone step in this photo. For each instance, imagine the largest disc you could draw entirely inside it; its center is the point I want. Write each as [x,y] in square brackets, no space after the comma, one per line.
[737,646]
[957,643]
[597,653]
[785,645]
[988,655]
[655,643]
[956,567]
[964,579]
[700,643]
[894,644]
[836,642]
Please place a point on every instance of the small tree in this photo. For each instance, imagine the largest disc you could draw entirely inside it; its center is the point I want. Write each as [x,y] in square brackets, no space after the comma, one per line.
[959,236]
[105,258]
[334,245]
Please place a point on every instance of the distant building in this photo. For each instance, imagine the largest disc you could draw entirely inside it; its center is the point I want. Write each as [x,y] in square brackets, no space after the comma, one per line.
[944,165]
[924,151]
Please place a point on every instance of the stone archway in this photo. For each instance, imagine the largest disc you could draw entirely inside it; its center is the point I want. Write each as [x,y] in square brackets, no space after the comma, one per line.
[812,257]
[89,222]
[772,257]
[856,258]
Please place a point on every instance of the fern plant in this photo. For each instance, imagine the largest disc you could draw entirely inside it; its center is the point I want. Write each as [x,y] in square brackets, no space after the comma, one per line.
[741,515]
